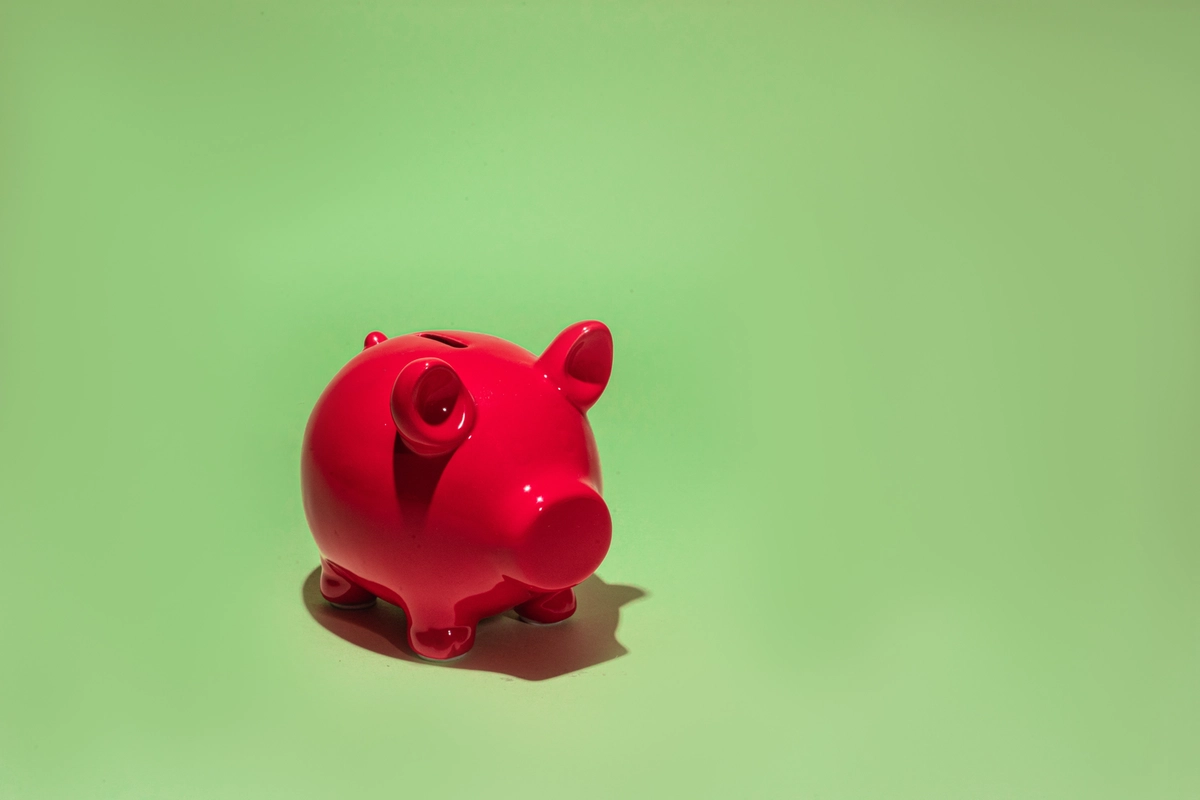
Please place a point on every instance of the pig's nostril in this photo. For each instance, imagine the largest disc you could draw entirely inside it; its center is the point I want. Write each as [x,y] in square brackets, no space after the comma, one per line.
[567,541]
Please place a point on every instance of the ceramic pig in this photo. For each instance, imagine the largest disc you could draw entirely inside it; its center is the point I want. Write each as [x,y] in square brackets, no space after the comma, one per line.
[455,475]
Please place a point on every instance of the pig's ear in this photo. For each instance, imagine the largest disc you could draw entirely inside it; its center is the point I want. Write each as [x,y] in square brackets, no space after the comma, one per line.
[431,408]
[579,361]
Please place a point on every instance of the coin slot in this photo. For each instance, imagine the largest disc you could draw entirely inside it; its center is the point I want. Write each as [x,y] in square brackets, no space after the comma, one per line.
[437,337]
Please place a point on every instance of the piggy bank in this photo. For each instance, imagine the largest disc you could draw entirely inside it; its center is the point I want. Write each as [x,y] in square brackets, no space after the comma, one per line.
[455,475]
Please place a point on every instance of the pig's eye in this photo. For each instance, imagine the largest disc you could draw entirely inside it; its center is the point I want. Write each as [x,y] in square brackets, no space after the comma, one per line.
[436,392]
[437,337]
[432,409]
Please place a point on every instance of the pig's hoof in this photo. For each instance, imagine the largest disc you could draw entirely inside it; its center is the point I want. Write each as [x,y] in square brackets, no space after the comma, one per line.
[354,607]
[548,609]
[451,660]
[442,644]
[529,621]
[341,593]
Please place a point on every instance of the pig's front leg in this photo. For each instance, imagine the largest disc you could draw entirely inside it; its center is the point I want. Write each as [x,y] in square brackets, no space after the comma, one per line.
[435,635]
[547,609]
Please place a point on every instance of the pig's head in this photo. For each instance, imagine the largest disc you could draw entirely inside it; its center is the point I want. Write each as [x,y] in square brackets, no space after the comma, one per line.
[520,476]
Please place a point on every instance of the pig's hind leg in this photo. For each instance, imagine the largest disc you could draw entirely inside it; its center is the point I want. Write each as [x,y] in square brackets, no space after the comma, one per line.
[549,608]
[341,593]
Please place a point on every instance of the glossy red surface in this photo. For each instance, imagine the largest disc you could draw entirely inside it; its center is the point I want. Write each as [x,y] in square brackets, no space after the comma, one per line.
[455,475]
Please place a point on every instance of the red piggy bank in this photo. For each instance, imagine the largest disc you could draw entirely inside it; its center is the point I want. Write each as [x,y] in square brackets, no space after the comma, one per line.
[455,475]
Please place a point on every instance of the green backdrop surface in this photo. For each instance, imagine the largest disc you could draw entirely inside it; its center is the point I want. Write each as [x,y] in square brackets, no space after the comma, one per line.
[901,444]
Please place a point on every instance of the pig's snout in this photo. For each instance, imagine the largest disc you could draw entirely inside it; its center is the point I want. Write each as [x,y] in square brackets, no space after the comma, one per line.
[566,541]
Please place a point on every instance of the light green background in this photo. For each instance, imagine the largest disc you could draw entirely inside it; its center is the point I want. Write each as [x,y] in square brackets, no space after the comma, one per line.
[901,440]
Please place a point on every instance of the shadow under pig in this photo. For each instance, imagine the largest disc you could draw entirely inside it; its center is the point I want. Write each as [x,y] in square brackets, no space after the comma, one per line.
[503,644]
